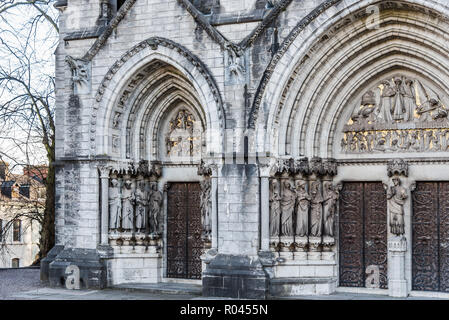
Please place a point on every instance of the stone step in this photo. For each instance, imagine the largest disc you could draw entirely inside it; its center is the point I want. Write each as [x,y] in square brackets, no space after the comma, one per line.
[161,288]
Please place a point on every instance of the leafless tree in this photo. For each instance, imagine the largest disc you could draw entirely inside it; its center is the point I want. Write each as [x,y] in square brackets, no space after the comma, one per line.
[28,39]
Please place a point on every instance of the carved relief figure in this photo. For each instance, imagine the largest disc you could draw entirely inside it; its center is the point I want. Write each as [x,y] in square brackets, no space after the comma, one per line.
[288,207]
[386,105]
[275,208]
[184,136]
[155,202]
[409,100]
[431,110]
[316,210]
[141,202]
[330,195]
[128,200]
[302,208]
[397,196]
[115,205]
[206,206]
[398,109]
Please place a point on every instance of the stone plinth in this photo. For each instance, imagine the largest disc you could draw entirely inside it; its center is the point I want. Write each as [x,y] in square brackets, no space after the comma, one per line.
[397,284]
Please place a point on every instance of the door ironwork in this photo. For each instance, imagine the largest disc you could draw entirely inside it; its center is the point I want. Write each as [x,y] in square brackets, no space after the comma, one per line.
[430,237]
[362,233]
[184,244]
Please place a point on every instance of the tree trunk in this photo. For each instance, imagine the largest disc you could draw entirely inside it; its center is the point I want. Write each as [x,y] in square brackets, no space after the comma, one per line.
[47,239]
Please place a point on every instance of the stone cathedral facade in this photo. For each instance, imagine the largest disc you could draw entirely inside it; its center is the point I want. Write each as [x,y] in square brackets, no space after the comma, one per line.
[260,148]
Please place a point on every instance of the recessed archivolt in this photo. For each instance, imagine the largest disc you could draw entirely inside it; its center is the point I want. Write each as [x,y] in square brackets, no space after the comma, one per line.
[151,62]
[336,67]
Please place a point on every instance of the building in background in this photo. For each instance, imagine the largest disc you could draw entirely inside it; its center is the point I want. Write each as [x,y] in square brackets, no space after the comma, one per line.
[22,200]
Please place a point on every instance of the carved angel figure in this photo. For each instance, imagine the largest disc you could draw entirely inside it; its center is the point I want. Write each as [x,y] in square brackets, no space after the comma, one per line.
[302,208]
[396,196]
[330,195]
[431,110]
[115,205]
[155,202]
[275,208]
[288,206]
[316,210]
[128,199]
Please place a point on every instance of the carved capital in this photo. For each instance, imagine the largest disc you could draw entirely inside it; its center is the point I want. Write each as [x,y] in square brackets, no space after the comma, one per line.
[104,172]
[285,166]
[330,167]
[316,166]
[397,244]
[397,167]
[301,166]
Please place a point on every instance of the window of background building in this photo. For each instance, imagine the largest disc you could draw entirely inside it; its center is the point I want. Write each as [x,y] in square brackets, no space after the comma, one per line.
[24,190]
[17,231]
[15,263]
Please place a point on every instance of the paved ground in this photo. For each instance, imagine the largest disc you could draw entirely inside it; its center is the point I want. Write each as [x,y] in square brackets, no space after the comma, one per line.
[24,284]
[14,281]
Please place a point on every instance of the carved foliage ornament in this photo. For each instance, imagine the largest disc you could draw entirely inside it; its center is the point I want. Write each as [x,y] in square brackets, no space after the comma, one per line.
[399,114]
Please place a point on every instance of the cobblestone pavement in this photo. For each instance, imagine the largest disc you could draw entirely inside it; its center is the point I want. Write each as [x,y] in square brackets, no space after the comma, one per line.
[24,284]
[15,281]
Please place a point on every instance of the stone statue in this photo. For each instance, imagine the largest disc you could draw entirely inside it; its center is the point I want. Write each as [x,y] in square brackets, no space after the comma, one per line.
[386,104]
[115,205]
[275,208]
[127,206]
[396,196]
[302,208]
[316,210]
[330,197]
[141,201]
[431,110]
[155,203]
[206,206]
[288,206]
[409,100]
[398,107]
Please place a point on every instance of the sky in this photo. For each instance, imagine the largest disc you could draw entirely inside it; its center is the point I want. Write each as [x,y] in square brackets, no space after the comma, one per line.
[35,44]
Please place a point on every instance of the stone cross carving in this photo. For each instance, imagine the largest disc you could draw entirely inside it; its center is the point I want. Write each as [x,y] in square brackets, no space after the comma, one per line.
[396,196]
[288,206]
[206,207]
[302,208]
[275,208]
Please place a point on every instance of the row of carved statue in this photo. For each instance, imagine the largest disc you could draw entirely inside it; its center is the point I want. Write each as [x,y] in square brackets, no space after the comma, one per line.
[302,208]
[433,140]
[134,205]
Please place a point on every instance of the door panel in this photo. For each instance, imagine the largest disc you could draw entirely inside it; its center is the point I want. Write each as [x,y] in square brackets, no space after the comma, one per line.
[363,232]
[430,237]
[184,244]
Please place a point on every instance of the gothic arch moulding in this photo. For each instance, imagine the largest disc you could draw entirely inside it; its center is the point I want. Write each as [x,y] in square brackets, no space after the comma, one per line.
[319,76]
[151,78]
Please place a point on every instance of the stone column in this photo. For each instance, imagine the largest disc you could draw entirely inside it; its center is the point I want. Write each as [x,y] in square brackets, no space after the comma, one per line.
[104,177]
[264,171]
[214,213]
[399,204]
[397,285]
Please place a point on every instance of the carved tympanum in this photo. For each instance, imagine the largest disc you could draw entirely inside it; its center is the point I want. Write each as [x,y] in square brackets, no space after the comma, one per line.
[183,138]
[400,114]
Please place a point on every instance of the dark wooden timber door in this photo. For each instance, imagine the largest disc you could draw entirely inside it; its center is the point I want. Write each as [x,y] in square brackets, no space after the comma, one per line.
[430,237]
[362,232]
[184,244]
